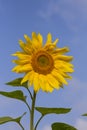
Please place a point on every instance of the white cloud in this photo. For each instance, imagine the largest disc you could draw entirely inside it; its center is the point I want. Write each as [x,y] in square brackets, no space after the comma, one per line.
[51,9]
[81,124]
[14,126]
[78,94]
[10,126]
[47,128]
[67,8]
[71,11]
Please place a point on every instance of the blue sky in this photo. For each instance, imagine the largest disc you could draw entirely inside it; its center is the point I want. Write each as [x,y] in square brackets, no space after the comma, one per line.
[66,20]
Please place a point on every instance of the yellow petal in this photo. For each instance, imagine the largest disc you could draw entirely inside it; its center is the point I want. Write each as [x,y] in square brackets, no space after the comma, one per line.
[36,82]
[63,57]
[18,52]
[55,42]
[25,78]
[59,77]
[35,38]
[44,85]
[34,35]
[60,63]
[22,68]
[28,40]
[52,81]
[61,51]
[42,81]
[64,68]
[40,38]
[49,46]
[16,68]
[22,61]
[24,47]
[25,68]
[67,76]
[31,78]
[35,41]
[22,44]
[48,88]
[64,74]
[22,55]
[49,38]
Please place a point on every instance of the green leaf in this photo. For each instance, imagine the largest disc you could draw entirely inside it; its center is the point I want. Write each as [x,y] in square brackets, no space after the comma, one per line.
[17,83]
[10,119]
[84,114]
[62,126]
[18,94]
[45,111]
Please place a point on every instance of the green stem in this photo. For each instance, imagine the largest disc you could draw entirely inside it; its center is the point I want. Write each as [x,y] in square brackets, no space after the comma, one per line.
[38,121]
[28,106]
[32,112]
[21,126]
[29,93]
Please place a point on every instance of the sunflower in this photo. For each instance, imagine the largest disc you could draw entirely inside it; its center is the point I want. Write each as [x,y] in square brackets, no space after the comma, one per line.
[44,65]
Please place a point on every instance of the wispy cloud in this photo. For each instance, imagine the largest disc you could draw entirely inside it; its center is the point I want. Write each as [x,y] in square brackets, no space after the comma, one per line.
[66,8]
[14,126]
[81,124]
[49,11]
[46,127]
[73,12]
[10,126]
[78,95]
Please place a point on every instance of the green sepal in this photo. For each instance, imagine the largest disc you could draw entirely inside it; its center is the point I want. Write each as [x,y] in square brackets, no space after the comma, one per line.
[10,119]
[45,111]
[84,114]
[17,83]
[18,94]
[62,126]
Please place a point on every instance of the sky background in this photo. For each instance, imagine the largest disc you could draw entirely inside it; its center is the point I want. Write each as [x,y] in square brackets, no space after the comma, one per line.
[66,20]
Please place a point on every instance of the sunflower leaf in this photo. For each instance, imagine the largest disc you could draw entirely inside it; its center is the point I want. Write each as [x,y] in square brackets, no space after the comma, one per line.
[17,82]
[84,114]
[10,119]
[18,94]
[62,126]
[45,111]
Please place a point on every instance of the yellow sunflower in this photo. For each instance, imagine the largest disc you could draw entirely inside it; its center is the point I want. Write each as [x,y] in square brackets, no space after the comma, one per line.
[45,66]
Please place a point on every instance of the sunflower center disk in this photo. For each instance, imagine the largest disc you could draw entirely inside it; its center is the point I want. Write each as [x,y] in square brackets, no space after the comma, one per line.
[42,62]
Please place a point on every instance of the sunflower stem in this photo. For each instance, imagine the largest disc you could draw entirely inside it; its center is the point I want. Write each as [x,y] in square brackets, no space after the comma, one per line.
[29,93]
[32,112]
[28,106]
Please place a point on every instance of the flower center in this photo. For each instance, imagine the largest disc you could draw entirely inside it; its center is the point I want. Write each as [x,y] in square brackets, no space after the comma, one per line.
[42,62]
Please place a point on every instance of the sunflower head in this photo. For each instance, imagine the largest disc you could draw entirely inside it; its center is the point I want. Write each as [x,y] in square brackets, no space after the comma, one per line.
[42,62]
[44,65]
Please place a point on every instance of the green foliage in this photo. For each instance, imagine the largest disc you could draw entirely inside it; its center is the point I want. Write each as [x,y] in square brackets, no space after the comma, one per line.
[17,83]
[18,94]
[45,111]
[62,126]
[84,114]
[10,119]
